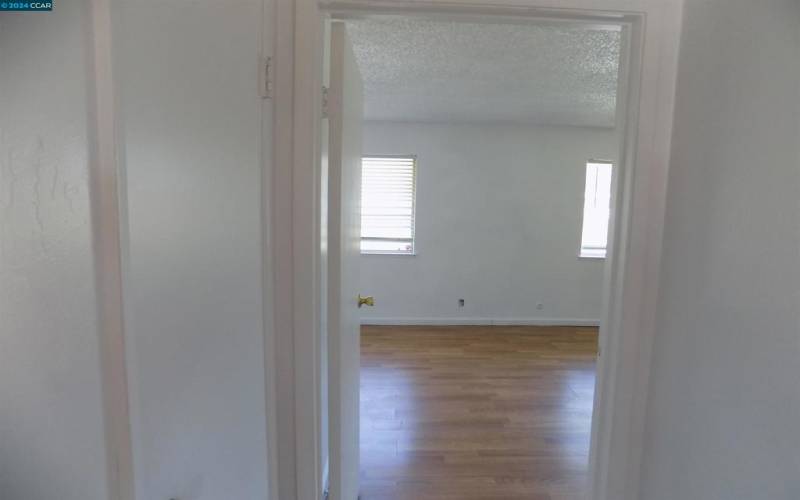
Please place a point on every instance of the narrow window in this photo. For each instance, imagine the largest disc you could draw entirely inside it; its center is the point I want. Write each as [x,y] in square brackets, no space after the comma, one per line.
[388,198]
[596,210]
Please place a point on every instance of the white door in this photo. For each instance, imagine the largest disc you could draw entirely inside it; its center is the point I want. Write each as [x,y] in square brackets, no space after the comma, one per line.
[191,120]
[345,102]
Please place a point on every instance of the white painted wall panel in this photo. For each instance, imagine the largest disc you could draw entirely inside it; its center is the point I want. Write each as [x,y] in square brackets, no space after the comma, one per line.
[498,224]
[192,127]
[51,420]
[725,390]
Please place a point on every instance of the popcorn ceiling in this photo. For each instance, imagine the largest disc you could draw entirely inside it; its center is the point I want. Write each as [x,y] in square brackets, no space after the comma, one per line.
[435,71]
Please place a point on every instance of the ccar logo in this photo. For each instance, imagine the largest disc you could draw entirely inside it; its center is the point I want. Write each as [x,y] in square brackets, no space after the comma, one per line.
[25,6]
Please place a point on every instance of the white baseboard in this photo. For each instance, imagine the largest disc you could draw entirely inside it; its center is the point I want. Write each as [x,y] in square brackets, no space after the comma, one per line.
[481,321]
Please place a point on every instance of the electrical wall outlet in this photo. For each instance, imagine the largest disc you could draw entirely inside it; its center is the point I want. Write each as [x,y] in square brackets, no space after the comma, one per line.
[539,306]
[460,302]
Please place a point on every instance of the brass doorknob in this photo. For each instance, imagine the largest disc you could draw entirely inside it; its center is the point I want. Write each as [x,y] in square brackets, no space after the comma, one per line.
[365,301]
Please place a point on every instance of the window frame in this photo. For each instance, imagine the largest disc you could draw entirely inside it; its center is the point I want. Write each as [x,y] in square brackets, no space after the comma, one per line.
[414,170]
[593,254]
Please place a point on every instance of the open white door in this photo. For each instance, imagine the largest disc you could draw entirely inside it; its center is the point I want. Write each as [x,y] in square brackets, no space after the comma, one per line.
[345,103]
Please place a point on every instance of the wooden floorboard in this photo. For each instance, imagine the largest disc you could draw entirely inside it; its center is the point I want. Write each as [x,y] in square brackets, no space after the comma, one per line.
[467,412]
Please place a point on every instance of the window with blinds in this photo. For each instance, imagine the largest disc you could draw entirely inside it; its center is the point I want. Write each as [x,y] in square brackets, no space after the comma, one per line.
[388,199]
[596,209]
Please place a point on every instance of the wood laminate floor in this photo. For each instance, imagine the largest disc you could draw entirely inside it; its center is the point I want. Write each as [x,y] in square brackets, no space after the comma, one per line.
[476,412]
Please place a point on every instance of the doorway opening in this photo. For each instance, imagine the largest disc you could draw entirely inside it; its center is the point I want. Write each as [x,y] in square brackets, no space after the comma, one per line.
[462,191]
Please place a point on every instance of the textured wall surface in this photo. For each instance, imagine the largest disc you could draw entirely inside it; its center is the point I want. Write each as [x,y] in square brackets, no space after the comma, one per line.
[498,224]
[433,71]
[725,390]
[51,424]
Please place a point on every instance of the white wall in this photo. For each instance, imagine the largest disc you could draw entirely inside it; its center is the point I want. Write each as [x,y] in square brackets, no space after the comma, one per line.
[725,388]
[51,421]
[191,119]
[498,224]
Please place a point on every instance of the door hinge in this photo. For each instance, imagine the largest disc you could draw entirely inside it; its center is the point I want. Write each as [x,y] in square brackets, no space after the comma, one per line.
[265,78]
[324,102]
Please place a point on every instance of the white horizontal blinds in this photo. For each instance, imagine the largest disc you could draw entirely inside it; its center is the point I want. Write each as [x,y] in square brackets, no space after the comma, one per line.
[387,204]
[596,209]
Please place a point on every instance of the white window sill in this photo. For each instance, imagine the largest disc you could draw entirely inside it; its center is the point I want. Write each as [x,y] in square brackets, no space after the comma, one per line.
[391,254]
[592,255]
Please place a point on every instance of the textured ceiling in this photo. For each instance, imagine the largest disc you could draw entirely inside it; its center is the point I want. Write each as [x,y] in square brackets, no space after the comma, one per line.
[435,71]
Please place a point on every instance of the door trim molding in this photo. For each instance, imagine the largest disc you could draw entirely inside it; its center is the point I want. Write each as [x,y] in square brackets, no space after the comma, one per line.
[651,31]
[104,181]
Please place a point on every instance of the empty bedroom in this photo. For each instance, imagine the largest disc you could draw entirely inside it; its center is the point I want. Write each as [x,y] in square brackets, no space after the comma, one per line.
[486,181]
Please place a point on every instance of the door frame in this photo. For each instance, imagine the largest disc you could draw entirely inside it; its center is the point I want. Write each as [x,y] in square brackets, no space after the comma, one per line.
[651,31]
